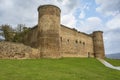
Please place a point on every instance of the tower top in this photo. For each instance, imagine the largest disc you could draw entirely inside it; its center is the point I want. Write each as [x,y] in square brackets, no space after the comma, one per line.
[48,5]
[98,32]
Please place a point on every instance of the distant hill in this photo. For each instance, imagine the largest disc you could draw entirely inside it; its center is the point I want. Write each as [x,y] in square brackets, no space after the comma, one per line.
[113,56]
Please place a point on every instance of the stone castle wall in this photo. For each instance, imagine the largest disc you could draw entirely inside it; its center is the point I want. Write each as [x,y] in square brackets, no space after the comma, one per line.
[75,44]
[50,39]
[56,40]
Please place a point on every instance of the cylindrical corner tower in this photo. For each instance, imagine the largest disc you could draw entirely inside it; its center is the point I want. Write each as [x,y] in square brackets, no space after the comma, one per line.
[98,44]
[48,30]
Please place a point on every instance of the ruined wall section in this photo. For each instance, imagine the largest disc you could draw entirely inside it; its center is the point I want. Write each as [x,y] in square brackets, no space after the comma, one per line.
[75,44]
[10,50]
[31,38]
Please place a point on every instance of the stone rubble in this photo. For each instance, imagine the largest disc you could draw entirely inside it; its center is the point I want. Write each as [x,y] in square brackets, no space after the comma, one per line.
[10,50]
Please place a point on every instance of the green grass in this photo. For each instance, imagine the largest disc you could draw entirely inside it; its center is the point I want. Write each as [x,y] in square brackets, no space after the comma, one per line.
[56,69]
[115,62]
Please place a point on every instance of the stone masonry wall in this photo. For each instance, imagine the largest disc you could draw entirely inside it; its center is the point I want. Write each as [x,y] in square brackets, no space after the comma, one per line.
[31,37]
[56,40]
[75,44]
[9,50]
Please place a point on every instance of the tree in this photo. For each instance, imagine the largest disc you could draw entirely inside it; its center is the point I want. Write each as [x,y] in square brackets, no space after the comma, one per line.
[16,34]
[1,34]
[8,32]
[21,31]
[19,28]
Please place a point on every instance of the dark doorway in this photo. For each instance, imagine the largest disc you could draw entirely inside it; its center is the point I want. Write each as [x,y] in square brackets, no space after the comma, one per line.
[88,54]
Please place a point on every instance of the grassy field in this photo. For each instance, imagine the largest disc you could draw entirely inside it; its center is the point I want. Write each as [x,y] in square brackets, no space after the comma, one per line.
[115,62]
[56,69]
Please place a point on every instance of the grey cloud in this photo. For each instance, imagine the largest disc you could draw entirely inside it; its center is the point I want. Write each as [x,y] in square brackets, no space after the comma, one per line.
[68,6]
[109,7]
[112,28]
[20,12]
[25,11]
[72,4]
[112,41]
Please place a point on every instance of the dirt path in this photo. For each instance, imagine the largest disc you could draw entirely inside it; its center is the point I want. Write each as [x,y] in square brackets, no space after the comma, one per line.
[108,64]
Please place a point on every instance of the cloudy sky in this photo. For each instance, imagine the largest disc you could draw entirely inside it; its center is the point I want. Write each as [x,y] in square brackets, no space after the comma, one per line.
[84,15]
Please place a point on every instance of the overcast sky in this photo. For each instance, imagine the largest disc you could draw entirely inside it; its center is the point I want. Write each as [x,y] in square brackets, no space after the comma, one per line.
[84,15]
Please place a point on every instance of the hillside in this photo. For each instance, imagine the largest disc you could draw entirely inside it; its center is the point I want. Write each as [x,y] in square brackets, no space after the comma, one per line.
[56,69]
[114,62]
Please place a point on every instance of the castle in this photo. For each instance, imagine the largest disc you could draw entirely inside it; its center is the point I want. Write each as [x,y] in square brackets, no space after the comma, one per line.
[55,40]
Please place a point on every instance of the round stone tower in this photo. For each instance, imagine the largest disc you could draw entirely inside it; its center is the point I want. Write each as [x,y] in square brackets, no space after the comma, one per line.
[48,30]
[98,44]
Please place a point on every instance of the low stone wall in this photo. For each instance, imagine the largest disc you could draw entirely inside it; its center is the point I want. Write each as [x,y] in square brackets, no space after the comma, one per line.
[10,50]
